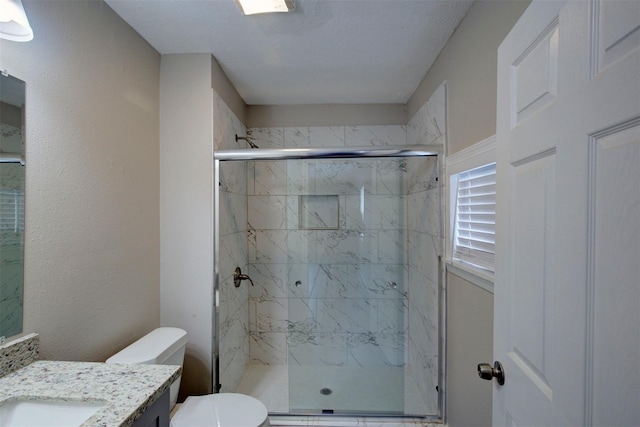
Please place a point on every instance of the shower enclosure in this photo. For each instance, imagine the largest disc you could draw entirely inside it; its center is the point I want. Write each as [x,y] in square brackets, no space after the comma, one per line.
[343,313]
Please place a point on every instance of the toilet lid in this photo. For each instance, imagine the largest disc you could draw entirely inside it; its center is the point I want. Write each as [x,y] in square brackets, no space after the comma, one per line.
[222,409]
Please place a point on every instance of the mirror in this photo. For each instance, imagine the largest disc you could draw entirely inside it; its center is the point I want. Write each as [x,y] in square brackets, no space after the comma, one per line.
[12,171]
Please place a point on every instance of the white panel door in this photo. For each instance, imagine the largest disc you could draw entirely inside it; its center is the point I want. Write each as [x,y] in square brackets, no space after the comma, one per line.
[567,291]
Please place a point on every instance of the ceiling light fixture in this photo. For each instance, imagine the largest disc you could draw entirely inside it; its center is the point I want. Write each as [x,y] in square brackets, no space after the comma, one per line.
[14,24]
[252,7]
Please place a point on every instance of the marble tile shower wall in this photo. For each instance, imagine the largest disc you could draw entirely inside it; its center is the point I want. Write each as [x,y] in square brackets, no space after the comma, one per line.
[322,267]
[344,311]
[234,314]
[305,227]
[424,230]
[341,313]
[12,249]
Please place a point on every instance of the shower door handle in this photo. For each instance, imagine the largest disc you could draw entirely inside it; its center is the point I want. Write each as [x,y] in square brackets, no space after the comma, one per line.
[486,372]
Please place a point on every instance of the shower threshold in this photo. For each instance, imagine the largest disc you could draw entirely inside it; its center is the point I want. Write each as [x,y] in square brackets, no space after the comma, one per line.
[333,391]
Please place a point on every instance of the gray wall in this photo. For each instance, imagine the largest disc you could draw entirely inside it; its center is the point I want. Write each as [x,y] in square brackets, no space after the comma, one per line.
[326,115]
[468,63]
[227,92]
[469,342]
[92,243]
[193,119]
[186,209]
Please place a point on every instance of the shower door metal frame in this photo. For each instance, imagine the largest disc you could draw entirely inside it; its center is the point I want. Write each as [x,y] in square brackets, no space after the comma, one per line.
[325,153]
[215,339]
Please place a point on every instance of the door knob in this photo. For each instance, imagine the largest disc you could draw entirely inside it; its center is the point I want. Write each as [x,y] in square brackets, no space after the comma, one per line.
[486,372]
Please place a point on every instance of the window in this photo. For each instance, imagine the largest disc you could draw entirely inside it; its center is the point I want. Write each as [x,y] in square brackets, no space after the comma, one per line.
[474,218]
[12,210]
[471,187]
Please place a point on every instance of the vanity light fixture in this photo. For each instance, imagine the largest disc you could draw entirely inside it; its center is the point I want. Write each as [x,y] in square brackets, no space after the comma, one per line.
[252,7]
[14,24]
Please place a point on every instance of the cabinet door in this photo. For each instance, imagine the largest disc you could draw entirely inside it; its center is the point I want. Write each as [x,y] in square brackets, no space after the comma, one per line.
[157,415]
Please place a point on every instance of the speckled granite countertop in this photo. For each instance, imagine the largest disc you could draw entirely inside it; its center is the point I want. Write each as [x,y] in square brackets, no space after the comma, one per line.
[127,390]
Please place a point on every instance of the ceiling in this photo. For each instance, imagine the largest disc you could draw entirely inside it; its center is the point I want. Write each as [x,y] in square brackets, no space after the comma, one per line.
[324,52]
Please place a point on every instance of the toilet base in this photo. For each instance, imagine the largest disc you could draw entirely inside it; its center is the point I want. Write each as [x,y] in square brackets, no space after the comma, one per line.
[222,409]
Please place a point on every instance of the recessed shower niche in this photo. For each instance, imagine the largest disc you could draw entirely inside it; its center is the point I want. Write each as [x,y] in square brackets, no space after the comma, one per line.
[319,212]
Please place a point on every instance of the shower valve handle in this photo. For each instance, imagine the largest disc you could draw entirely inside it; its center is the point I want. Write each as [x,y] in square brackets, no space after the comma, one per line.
[239,277]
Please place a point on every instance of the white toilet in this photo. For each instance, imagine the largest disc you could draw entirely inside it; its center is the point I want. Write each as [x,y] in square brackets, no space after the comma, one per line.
[165,346]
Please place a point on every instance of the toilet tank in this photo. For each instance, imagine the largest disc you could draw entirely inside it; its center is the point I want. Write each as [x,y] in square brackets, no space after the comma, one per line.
[162,346]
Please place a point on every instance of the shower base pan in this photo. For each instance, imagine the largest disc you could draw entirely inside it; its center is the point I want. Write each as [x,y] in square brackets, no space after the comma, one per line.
[329,390]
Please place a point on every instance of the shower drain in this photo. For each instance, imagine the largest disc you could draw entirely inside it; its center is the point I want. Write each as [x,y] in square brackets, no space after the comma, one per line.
[326,391]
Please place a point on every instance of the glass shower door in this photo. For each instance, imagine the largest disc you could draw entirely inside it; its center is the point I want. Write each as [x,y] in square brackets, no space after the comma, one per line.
[346,273]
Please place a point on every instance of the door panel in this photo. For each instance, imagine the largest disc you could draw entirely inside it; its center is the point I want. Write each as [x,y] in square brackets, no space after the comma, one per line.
[535,75]
[615,210]
[615,31]
[567,290]
[531,256]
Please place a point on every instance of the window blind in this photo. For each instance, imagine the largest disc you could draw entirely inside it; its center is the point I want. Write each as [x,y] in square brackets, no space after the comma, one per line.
[12,210]
[475,225]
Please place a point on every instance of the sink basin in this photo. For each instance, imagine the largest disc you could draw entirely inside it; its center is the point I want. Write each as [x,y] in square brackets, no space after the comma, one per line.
[50,413]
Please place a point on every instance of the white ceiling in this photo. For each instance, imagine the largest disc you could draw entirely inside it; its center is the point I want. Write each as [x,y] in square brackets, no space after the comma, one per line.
[325,51]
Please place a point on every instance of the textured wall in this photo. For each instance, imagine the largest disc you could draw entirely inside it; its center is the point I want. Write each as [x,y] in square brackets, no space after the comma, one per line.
[92,193]
[468,63]
[186,210]
[195,117]
[326,115]
[470,341]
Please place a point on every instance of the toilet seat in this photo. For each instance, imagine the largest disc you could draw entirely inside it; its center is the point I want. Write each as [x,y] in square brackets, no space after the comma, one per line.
[223,410]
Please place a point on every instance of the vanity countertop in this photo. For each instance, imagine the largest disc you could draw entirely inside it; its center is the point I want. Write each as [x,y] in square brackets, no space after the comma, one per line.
[128,390]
